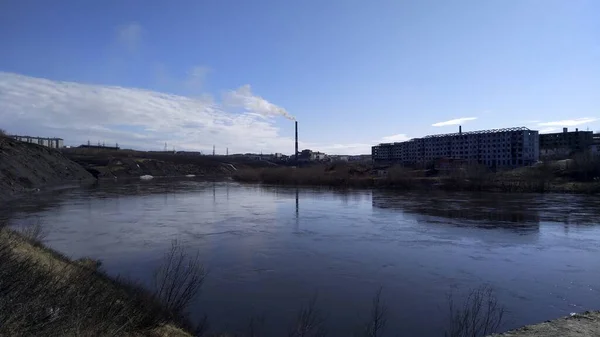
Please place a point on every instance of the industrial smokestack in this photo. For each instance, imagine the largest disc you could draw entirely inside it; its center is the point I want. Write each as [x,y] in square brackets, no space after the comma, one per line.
[460,129]
[296,153]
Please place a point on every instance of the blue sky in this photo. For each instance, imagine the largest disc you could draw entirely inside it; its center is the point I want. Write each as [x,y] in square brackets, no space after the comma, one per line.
[354,73]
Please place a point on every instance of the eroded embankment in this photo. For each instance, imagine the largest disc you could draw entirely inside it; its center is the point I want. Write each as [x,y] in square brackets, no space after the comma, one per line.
[27,167]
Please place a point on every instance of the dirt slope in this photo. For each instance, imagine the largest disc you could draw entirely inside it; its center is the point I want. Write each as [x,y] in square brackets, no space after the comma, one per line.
[25,167]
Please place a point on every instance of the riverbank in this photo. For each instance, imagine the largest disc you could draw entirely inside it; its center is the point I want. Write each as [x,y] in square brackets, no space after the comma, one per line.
[44,293]
[586,324]
[133,164]
[542,178]
[26,167]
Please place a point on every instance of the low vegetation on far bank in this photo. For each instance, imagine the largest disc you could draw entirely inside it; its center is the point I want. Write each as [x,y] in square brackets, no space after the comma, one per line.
[580,174]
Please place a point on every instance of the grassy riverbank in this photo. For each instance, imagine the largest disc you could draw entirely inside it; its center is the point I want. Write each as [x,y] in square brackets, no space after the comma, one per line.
[44,293]
[578,175]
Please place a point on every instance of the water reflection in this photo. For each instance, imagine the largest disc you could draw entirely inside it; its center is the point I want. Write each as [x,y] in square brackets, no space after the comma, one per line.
[484,211]
[269,248]
[493,209]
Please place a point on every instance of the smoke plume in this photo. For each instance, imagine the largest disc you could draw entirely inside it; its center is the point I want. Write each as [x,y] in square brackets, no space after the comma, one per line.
[243,97]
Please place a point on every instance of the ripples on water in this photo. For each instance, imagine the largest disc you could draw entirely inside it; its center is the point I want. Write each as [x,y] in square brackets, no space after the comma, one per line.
[269,249]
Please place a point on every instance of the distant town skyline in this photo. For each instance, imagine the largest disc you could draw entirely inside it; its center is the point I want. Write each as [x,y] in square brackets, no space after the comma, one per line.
[354,74]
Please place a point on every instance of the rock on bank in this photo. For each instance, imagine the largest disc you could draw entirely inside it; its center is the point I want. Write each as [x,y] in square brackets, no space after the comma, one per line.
[25,167]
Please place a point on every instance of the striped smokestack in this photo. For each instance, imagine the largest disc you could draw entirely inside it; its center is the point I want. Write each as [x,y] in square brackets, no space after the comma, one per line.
[296,153]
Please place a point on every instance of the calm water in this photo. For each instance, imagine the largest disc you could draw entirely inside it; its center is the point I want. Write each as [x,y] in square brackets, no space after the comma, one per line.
[269,249]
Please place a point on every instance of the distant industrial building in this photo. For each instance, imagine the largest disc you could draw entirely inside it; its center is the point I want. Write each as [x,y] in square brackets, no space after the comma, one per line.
[55,143]
[101,147]
[309,155]
[510,147]
[565,143]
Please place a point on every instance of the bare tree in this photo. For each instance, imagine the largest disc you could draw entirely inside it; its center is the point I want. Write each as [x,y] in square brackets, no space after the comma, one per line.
[309,323]
[3,133]
[178,279]
[479,315]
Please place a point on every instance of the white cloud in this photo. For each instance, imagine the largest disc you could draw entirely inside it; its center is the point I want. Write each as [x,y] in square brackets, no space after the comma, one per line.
[394,138]
[570,122]
[243,97]
[455,121]
[548,130]
[137,118]
[129,35]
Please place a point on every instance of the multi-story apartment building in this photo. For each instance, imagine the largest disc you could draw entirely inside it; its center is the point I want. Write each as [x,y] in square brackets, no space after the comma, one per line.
[494,148]
[563,144]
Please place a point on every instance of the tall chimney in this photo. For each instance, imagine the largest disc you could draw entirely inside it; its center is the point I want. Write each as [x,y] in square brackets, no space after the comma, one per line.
[460,129]
[296,153]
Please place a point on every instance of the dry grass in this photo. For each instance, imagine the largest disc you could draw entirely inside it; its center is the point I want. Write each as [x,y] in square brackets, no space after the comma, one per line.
[43,293]
[582,175]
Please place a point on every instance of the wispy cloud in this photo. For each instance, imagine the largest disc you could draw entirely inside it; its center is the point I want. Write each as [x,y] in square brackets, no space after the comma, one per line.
[394,138]
[455,121]
[129,35]
[138,118]
[570,122]
[196,77]
[548,130]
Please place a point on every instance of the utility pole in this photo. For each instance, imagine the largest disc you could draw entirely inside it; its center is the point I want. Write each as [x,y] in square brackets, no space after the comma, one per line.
[88,142]
[227,153]
[213,150]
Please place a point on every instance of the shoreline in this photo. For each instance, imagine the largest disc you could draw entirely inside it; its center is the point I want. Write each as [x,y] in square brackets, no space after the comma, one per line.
[527,180]
[586,324]
[114,305]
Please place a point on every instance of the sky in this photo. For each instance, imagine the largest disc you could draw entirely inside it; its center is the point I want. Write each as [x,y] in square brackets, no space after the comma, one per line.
[234,74]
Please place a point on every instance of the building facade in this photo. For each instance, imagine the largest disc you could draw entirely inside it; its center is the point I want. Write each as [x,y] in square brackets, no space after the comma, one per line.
[511,147]
[564,144]
[55,143]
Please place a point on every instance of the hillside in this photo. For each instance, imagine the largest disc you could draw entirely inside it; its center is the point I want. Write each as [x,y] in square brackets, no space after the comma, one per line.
[26,167]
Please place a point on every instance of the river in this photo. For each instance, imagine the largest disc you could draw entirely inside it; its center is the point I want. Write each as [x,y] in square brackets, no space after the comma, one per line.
[268,250]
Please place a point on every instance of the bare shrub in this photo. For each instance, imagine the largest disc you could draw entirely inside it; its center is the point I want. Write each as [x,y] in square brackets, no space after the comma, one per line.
[310,322]
[378,318]
[34,232]
[178,279]
[479,315]
[3,133]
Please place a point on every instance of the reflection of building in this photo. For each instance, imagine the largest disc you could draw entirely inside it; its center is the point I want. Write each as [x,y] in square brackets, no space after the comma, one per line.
[564,144]
[55,143]
[494,148]
[488,211]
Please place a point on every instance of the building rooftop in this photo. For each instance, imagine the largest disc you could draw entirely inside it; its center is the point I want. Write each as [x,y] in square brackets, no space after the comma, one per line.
[520,128]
